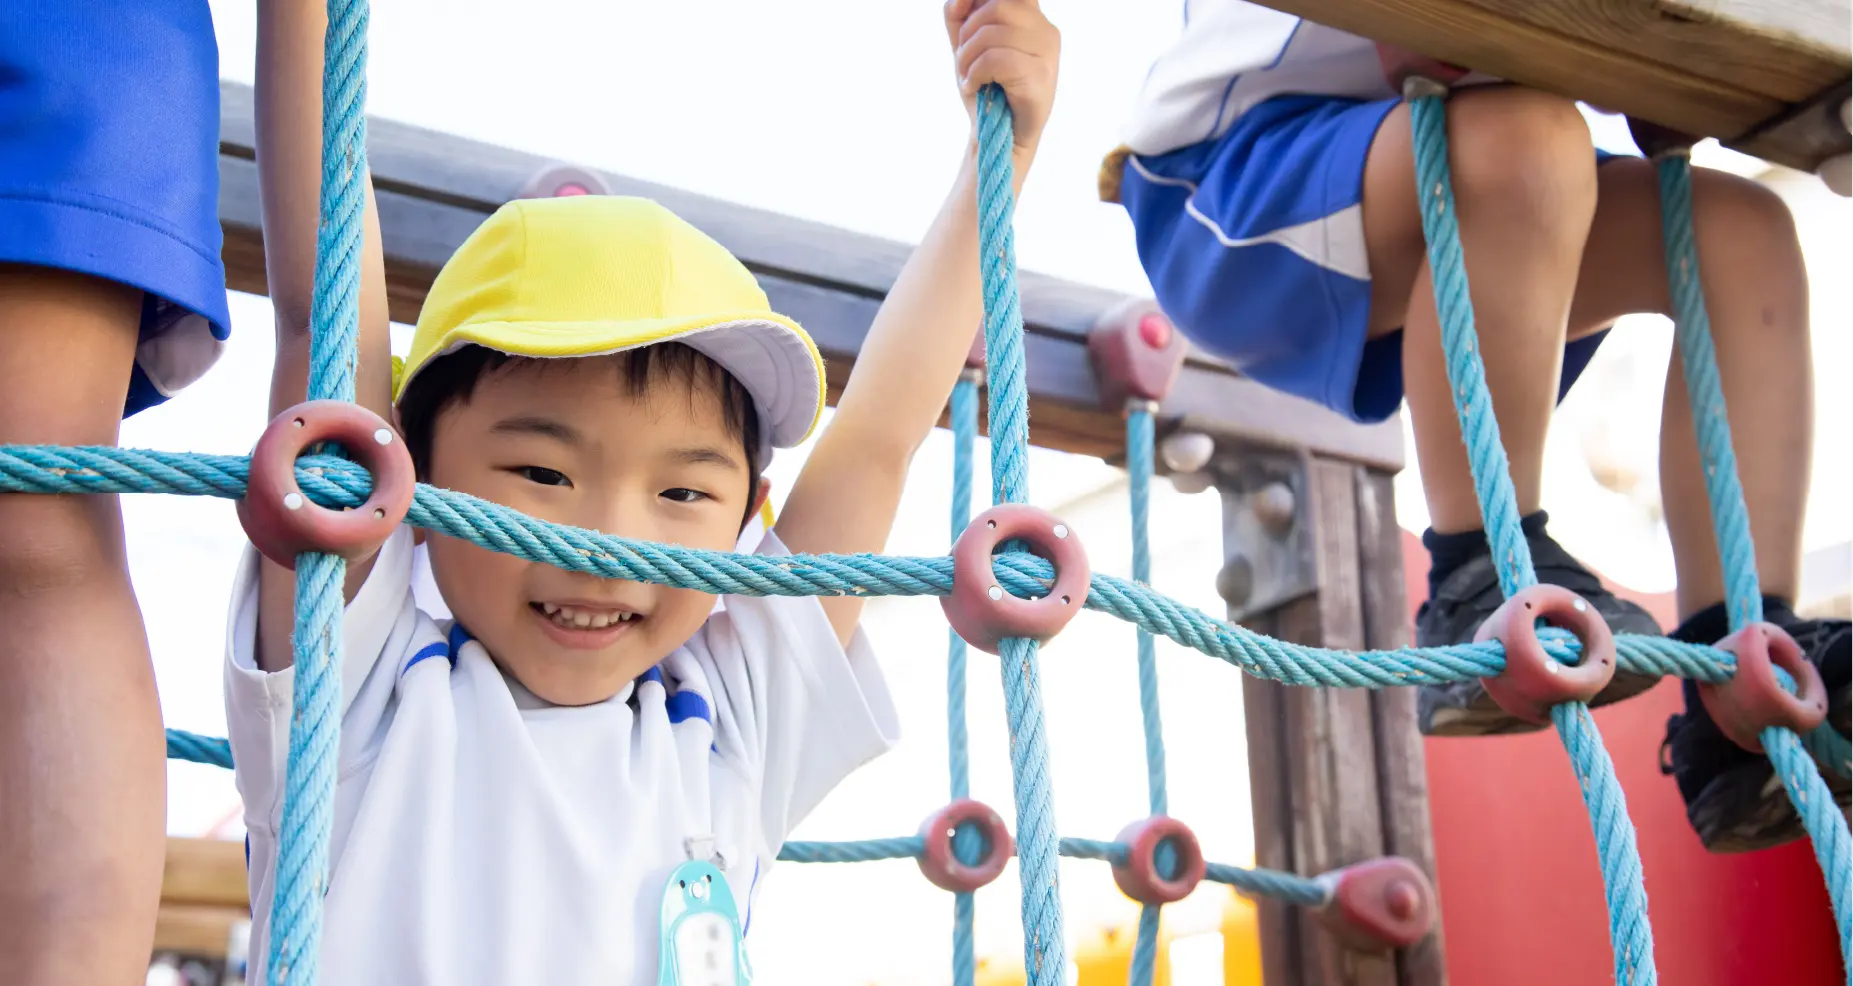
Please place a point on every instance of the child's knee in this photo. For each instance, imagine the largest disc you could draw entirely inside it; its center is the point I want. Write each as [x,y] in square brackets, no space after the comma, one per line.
[1521,151]
[1735,209]
[51,544]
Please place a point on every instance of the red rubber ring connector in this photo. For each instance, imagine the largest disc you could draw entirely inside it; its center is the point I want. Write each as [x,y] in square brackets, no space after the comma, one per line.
[1138,876]
[1379,904]
[981,610]
[1136,353]
[1533,681]
[283,523]
[942,867]
[1753,700]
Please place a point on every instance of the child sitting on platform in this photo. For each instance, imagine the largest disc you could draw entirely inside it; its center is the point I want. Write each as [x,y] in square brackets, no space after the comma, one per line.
[516,788]
[1270,180]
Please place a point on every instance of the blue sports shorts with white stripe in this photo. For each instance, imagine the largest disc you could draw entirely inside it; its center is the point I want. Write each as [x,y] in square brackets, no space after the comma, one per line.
[1254,244]
[109,165]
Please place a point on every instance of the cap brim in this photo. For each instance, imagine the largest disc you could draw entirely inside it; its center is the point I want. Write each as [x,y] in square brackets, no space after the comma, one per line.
[771,356]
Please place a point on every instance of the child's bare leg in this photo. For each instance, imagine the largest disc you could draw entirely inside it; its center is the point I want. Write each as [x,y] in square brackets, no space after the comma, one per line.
[1756,292]
[1524,179]
[81,756]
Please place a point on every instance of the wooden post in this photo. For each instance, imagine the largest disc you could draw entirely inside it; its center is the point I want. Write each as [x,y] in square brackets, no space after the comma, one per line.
[1337,774]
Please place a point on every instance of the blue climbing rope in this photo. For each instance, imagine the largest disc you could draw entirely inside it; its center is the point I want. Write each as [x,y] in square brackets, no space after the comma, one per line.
[333,482]
[1705,393]
[1797,760]
[1630,934]
[1045,948]
[966,844]
[315,725]
[1139,458]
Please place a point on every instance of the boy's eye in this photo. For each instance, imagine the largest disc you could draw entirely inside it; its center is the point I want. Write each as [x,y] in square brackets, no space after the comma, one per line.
[682,494]
[543,476]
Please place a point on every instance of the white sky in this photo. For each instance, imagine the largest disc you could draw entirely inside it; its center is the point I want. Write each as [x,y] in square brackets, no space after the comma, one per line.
[844,112]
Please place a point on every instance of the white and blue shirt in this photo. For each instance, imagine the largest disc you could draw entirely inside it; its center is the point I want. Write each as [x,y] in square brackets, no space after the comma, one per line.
[482,835]
[1234,55]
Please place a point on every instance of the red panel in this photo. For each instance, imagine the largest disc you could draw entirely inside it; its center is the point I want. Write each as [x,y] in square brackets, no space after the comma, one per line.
[1521,895]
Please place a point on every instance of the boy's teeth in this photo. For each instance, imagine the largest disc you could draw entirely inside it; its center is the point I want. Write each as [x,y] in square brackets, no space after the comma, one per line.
[569,616]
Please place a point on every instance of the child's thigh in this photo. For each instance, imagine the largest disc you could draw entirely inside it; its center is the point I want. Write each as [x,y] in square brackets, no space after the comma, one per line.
[67,347]
[108,174]
[1255,242]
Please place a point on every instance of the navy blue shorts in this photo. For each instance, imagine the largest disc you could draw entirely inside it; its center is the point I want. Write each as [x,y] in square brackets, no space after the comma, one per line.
[1254,244]
[109,165]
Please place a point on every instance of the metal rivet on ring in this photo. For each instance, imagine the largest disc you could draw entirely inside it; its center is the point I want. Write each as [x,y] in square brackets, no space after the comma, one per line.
[383,436]
[292,501]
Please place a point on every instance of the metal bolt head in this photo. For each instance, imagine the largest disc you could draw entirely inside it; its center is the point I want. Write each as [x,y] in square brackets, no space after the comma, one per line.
[1236,581]
[996,592]
[1274,506]
[1186,451]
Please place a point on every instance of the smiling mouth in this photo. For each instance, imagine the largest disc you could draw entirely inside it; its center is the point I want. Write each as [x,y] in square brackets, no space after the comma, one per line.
[584,617]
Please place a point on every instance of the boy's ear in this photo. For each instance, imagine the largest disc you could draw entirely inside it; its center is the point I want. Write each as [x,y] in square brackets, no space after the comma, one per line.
[759,503]
[418,533]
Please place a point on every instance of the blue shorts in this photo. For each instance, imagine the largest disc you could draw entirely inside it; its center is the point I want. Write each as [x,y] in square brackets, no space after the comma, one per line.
[1254,244]
[109,165]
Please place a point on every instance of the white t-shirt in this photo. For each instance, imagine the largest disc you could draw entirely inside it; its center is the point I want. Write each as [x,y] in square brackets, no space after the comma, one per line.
[483,836]
[1232,56]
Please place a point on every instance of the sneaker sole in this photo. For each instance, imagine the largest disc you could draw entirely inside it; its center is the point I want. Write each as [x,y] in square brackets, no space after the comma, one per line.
[1481,716]
[1746,809]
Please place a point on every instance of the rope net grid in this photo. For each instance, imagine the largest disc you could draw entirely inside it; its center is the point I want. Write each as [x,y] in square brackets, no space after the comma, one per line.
[1155,860]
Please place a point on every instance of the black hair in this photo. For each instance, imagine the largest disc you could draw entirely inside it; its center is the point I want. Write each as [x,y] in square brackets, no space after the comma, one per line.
[453,377]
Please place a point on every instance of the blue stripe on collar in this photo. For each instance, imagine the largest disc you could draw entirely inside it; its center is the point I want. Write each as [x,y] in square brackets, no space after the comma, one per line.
[439,649]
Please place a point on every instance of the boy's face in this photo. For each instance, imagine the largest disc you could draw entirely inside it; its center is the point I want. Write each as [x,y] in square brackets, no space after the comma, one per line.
[565,440]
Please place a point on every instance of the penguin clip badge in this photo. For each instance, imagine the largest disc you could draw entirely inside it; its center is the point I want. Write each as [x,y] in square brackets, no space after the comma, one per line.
[701,930]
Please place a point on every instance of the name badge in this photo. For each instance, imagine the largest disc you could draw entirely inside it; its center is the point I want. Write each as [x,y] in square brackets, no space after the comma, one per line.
[701,930]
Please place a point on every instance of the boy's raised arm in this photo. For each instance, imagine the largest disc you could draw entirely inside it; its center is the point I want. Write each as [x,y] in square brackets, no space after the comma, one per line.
[289,158]
[846,497]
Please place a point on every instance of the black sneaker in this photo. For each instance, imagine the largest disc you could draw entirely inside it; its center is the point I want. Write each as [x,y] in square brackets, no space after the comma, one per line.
[1734,799]
[1468,596]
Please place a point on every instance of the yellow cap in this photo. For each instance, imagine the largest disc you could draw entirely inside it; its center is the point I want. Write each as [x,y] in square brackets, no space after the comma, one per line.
[588,275]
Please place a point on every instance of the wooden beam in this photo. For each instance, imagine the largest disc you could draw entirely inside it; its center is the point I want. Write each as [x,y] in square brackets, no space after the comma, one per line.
[205,871]
[1336,774]
[1728,69]
[203,897]
[433,189]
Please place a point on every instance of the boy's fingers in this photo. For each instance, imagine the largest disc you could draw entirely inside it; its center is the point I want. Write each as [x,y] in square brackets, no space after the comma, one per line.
[956,11]
[994,12]
[1012,70]
[994,37]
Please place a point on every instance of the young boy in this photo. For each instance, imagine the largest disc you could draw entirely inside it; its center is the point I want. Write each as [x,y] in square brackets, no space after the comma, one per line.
[1270,180]
[112,299]
[517,787]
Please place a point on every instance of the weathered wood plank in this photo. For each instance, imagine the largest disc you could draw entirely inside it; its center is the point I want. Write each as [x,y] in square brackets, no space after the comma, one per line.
[1312,759]
[1728,47]
[1717,68]
[1402,776]
[195,929]
[434,189]
[204,871]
